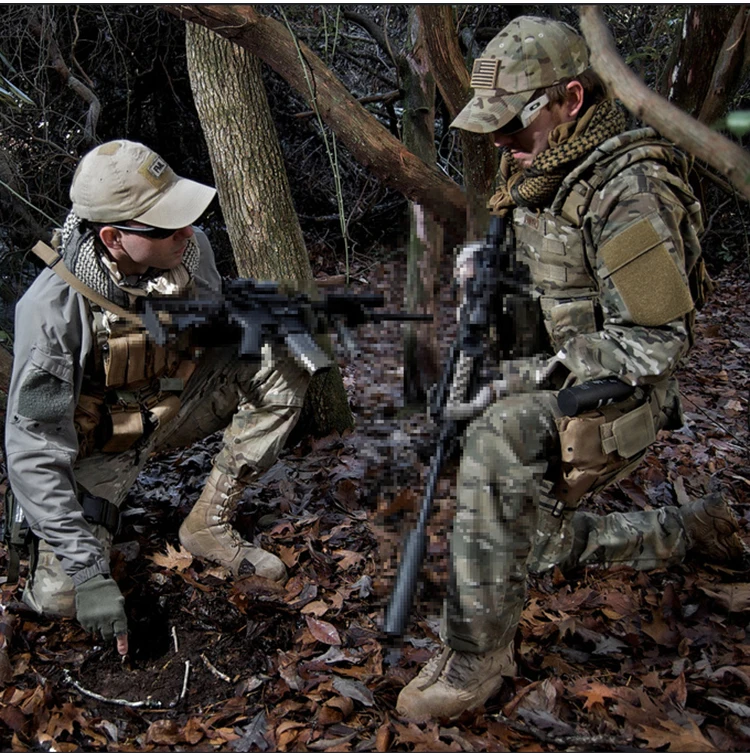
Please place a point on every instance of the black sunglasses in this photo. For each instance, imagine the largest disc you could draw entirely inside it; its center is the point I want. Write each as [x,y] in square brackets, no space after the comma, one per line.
[155,233]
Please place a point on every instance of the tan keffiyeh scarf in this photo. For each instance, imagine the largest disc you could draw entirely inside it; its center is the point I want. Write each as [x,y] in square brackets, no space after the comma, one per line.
[568,144]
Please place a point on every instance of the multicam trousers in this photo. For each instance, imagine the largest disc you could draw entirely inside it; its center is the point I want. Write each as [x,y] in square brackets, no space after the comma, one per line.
[504,526]
[257,404]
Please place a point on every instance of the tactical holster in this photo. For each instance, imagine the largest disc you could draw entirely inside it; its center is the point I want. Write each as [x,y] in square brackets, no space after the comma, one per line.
[21,541]
[16,534]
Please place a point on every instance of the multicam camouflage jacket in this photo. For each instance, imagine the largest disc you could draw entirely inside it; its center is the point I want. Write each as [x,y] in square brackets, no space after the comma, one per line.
[611,257]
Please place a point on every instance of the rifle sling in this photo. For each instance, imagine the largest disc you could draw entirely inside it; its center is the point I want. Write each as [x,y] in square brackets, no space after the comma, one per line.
[51,258]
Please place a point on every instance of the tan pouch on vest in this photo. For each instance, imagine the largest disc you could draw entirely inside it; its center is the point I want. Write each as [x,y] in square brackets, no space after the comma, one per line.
[600,446]
[127,427]
[87,417]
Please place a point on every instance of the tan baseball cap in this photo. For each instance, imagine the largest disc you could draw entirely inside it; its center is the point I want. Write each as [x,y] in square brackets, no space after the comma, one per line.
[125,180]
[530,53]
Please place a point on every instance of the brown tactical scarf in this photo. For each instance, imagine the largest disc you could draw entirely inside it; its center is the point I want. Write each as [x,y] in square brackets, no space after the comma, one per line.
[568,144]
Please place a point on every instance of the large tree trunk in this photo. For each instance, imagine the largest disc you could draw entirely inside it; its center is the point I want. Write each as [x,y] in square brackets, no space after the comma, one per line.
[709,60]
[368,141]
[453,80]
[254,190]
[426,237]
[246,158]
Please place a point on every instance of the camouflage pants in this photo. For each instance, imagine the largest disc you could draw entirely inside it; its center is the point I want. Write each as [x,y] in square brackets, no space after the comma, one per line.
[504,526]
[257,405]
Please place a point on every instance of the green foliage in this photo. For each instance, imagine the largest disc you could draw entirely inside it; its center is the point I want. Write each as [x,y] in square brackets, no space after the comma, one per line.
[737,123]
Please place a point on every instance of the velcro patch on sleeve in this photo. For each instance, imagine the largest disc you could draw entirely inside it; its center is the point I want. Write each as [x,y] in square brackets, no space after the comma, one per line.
[646,275]
[44,397]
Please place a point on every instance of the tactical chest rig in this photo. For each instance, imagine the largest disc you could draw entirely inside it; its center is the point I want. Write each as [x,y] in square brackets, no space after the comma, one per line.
[600,446]
[132,385]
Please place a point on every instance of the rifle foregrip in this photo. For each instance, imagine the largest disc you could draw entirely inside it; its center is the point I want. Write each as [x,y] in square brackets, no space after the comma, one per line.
[402,598]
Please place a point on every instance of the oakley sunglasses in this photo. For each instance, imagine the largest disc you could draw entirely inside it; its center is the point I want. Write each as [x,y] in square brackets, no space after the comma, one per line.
[155,233]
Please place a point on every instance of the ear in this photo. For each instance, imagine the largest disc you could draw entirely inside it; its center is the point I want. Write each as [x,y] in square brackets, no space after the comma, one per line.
[111,238]
[574,102]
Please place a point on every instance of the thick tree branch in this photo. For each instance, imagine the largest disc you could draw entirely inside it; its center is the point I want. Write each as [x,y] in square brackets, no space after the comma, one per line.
[453,81]
[719,152]
[373,30]
[369,142]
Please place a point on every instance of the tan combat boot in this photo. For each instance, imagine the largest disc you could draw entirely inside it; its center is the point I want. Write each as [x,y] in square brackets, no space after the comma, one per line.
[455,681]
[713,531]
[208,534]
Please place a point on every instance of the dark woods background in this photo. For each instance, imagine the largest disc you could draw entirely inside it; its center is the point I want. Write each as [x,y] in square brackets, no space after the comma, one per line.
[98,72]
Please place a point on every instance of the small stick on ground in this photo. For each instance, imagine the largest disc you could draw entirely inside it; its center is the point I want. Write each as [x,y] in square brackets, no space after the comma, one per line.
[215,672]
[148,704]
[184,683]
[174,639]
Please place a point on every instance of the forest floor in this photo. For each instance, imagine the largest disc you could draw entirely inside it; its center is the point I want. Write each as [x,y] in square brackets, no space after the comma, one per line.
[608,659]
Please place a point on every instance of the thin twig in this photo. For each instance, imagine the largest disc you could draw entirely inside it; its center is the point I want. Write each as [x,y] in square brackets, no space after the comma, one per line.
[174,639]
[147,704]
[215,672]
[742,446]
[184,682]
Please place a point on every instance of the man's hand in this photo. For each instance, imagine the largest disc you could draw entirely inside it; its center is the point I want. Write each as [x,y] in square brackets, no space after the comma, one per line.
[100,608]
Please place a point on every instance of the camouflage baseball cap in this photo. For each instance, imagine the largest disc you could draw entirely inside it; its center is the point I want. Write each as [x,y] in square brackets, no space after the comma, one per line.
[125,180]
[530,53]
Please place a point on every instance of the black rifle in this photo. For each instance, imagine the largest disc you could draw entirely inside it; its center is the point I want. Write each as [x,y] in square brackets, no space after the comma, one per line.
[254,313]
[494,277]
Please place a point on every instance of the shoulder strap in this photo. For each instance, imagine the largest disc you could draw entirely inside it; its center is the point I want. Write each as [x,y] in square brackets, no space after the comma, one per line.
[52,259]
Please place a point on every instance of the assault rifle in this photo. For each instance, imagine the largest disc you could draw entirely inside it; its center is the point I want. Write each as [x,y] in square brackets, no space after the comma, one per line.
[495,277]
[254,313]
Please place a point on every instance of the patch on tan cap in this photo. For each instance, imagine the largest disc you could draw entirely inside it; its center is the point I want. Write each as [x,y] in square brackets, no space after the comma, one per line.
[108,149]
[155,170]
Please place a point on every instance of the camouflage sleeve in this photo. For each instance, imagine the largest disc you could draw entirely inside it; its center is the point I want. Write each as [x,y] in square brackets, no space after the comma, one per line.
[50,347]
[637,237]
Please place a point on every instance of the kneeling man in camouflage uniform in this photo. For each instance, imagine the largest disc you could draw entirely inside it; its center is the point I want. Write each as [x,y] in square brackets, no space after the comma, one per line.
[91,396]
[607,227]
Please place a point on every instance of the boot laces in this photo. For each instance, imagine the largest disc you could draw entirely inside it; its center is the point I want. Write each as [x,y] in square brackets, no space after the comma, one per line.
[456,668]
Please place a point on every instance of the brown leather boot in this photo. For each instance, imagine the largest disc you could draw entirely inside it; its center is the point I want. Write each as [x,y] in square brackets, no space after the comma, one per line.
[713,531]
[455,681]
[208,534]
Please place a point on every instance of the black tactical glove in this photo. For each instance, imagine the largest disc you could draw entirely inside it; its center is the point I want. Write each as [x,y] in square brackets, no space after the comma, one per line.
[100,607]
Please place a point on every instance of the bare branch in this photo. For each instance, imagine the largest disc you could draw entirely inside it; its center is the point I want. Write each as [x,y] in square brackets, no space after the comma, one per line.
[685,131]
[368,141]
[373,30]
[83,91]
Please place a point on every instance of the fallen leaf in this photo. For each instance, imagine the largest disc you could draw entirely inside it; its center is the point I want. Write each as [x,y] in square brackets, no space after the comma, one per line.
[597,693]
[734,597]
[679,738]
[355,690]
[315,608]
[174,559]
[347,558]
[323,631]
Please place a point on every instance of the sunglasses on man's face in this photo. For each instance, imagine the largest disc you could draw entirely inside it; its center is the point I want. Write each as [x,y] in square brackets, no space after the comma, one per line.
[155,233]
[525,118]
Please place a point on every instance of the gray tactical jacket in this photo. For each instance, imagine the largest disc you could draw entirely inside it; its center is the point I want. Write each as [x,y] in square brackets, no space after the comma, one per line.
[53,341]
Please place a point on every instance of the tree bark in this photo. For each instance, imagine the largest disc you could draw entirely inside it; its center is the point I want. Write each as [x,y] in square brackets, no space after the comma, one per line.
[708,61]
[368,141]
[453,80]
[426,237]
[729,159]
[254,191]
[246,159]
